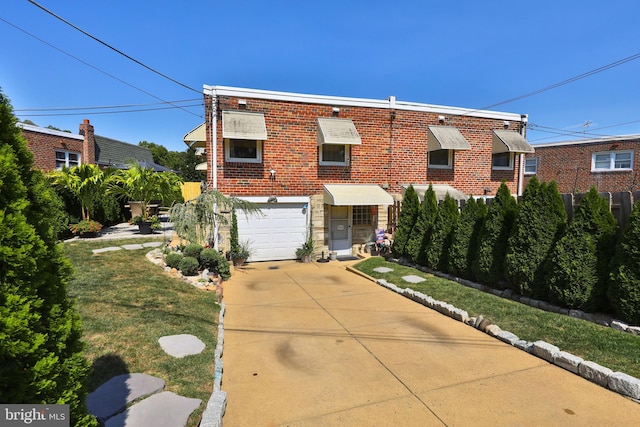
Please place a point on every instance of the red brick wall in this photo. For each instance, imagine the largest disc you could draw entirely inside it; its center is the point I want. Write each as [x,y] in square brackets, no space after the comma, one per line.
[393,151]
[43,147]
[570,167]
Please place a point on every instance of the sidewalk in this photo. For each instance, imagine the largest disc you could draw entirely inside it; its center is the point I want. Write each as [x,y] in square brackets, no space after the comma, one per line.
[313,344]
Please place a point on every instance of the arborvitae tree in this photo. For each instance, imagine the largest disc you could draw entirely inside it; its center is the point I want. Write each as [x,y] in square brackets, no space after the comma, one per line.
[41,357]
[494,235]
[437,251]
[464,243]
[540,220]
[421,234]
[578,267]
[624,283]
[408,216]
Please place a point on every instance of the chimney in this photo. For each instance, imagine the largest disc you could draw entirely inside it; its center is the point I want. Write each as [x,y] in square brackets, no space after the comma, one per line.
[89,143]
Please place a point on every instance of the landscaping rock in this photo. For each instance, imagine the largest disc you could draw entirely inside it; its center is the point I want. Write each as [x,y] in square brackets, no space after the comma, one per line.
[625,384]
[619,326]
[567,361]
[595,373]
[216,407]
[181,345]
[508,337]
[493,330]
[545,350]
[161,410]
[114,395]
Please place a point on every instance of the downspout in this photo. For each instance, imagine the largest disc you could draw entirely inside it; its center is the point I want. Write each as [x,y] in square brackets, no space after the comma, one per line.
[214,161]
[523,132]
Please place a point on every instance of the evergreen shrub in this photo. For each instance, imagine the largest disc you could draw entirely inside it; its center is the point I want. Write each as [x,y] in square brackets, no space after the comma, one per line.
[437,251]
[193,250]
[464,243]
[189,266]
[421,233]
[408,215]
[173,259]
[216,262]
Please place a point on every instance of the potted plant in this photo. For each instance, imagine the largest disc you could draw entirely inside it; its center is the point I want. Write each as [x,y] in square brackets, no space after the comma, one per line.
[240,253]
[304,252]
[148,225]
[86,228]
[143,185]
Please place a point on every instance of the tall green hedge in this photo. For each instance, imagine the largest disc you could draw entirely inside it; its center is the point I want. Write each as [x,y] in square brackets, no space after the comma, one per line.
[437,251]
[421,234]
[578,267]
[408,215]
[41,357]
[540,220]
[624,283]
[489,264]
[464,243]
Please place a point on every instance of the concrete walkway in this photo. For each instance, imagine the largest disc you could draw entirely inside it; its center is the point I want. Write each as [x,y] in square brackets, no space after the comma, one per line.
[315,345]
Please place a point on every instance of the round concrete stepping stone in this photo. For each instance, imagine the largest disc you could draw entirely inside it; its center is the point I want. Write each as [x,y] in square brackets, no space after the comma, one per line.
[383,269]
[413,279]
[165,409]
[114,395]
[181,345]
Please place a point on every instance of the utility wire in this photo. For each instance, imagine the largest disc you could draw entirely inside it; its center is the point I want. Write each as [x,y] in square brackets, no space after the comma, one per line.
[94,67]
[113,48]
[105,107]
[103,112]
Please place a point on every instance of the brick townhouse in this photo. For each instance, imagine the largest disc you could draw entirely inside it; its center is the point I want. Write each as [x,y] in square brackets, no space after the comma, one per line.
[335,164]
[608,163]
[53,149]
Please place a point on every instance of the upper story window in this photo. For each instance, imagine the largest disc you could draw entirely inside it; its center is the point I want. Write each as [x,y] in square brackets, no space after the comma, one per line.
[67,159]
[502,161]
[441,159]
[612,161]
[530,166]
[243,150]
[333,154]
[243,133]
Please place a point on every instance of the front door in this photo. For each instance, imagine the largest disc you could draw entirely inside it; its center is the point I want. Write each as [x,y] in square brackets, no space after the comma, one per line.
[340,230]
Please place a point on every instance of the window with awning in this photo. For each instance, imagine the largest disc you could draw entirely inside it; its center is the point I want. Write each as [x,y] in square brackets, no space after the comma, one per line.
[446,138]
[243,133]
[335,138]
[505,144]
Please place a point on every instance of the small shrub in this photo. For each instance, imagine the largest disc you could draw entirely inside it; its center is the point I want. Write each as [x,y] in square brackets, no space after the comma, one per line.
[193,250]
[173,259]
[189,266]
[216,262]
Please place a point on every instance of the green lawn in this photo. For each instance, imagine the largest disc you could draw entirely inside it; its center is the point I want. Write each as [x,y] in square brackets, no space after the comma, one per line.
[619,351]
[126,304]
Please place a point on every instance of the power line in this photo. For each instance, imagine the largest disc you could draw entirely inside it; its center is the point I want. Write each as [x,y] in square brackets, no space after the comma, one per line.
[92,66]
[82,113]
[104,106]
[113,48]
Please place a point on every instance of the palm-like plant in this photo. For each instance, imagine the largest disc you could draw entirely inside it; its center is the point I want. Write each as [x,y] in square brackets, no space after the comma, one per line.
[144,185]
[87,182]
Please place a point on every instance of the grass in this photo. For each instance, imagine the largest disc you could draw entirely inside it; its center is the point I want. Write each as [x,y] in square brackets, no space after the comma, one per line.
[126,304]
[619,351]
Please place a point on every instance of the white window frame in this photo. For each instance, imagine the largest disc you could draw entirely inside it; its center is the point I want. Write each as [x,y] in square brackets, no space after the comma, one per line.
[449,164]
[67,162]
[533,160]
[502,168]
[227,151]
[347,155]
[612,161]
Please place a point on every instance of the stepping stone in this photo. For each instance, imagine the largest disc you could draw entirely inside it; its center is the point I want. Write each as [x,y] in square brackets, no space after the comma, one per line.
[114,395]
[109,249]
[152,244]
[181,345]
[165,409]
[133,247]
[413,279]
[382,269]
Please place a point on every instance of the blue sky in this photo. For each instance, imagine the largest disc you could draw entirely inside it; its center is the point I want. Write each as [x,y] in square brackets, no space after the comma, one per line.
[465,53]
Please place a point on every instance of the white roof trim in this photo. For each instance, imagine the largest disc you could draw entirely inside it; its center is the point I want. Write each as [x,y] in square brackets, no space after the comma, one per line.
[603,140]
[337,131]
[48,131]
[391,102]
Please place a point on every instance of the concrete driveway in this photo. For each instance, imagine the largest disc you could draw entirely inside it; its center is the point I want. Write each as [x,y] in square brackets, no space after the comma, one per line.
[316,345]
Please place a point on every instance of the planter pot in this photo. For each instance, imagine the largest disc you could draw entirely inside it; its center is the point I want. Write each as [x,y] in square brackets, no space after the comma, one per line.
[145,227]
[333,256]
[305,258]
[238,262]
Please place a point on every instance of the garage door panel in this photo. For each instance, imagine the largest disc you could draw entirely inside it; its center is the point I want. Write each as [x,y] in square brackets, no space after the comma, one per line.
[275,235]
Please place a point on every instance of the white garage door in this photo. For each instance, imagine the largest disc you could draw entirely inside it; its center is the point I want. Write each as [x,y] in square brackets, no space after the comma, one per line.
[277,233]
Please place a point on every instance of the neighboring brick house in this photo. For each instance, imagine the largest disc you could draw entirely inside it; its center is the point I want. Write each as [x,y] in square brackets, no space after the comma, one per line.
[53,149]
[337,163]
[608,163]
